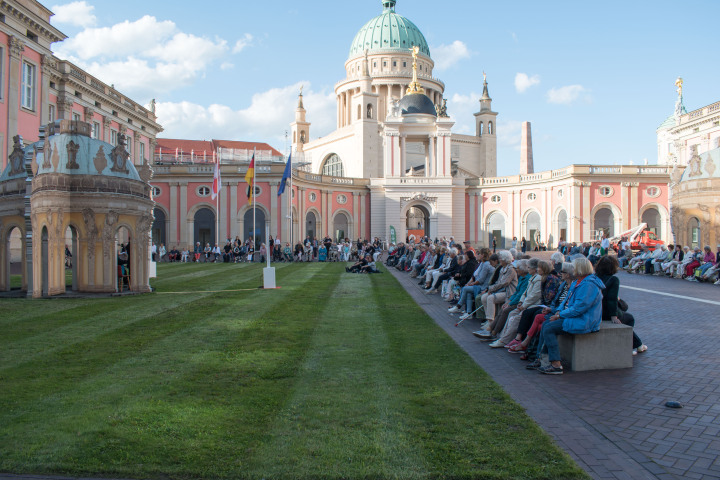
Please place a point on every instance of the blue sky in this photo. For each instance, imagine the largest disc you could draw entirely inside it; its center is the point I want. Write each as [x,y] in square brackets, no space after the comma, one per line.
[594,78]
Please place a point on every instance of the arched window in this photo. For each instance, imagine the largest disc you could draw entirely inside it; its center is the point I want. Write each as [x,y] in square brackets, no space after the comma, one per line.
[481,130]
[369,111]
[490,128]
[359,117]
[333,166]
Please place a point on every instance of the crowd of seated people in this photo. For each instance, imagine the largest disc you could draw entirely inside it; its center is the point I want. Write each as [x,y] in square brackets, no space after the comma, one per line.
[676,261]
[239,251]
[523,302]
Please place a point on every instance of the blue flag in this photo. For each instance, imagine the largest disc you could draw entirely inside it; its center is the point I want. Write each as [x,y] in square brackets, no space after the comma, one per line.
[286,175]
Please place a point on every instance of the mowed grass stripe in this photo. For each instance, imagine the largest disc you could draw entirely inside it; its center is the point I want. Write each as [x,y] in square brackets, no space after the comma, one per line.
[346,415]
[465,425]
[55,330]
[185,384]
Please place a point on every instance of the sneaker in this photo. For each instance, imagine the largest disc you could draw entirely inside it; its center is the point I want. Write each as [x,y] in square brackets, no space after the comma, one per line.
[642,348]
[454,309]
[484,325]
[482,333]
[464,316]
[551,370]
[634,352]
[496,344]
[534,365]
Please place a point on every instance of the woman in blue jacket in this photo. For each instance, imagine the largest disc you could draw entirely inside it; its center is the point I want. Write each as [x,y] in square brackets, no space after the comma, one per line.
[581,312]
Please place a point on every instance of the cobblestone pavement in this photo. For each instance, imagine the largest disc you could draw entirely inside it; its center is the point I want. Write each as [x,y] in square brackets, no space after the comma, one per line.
[614,423]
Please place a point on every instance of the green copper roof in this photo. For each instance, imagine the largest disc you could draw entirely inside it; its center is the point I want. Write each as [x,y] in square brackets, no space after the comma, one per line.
[388,31]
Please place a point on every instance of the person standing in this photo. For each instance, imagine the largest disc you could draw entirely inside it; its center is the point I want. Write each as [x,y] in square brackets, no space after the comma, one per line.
[523,245]
[494,244]
[604,245]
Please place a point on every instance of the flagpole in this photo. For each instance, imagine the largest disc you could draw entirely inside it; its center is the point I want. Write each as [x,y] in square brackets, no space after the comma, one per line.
[252,193]
[217,207]
[289,219]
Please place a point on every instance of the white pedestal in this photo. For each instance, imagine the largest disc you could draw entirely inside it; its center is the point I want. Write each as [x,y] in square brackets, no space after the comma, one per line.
[152,269]
[269,277]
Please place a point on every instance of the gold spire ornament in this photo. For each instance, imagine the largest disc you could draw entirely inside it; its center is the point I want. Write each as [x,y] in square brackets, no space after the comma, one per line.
[678,84]
[415,86]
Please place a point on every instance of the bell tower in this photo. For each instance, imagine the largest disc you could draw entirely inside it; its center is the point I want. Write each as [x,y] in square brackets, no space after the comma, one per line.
[300,127]
[485,128]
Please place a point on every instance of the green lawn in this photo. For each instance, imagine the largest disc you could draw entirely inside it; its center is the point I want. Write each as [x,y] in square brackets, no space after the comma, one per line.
[332,376]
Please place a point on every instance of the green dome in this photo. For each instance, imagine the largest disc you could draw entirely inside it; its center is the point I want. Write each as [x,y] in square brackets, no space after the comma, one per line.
[388,31]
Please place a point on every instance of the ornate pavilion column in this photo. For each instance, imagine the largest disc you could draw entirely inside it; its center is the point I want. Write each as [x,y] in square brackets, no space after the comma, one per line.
[402,155]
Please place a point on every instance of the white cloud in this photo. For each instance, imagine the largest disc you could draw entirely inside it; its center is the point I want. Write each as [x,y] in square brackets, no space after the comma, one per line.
[226,66]
[567,94]
[461,109]
[523,81]
[75,13]
[242,43]
[508,133]
[120,55]
[446,56]
[266,119]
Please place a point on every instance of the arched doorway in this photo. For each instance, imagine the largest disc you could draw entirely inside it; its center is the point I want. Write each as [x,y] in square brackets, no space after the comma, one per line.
[72,260]
[496,229]
[532,229]
[417,221]
[341,226]
[310,225]
[45,259]
[651,216]
[694,232]
[604,223]
[123,256]
[205,227]
[15,269]
[158,231]
[259,233]
[562,225]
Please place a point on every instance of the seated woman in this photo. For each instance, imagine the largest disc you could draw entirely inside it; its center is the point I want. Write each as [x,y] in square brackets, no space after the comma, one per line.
[581,312]
[694,262]
[499,291]
[549,284]
[605,270]
[708,261]
[529,299]
[528,329]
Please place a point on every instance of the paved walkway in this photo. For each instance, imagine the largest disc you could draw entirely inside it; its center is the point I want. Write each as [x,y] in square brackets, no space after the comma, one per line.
[614,422]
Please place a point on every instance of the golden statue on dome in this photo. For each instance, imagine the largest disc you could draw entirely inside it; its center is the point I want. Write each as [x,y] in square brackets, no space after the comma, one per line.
[679,83]
[415,86]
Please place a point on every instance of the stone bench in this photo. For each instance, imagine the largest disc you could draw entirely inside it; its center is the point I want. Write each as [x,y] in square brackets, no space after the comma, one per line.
[611,347]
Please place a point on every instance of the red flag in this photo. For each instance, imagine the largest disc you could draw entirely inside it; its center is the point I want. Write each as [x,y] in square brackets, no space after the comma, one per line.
[216,182]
